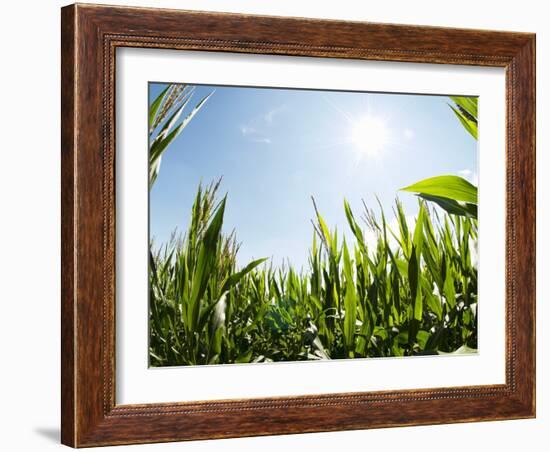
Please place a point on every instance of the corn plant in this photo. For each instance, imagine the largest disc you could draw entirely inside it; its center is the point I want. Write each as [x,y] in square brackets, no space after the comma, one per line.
[165,113]
[189,283]
[413,292]
[453,194]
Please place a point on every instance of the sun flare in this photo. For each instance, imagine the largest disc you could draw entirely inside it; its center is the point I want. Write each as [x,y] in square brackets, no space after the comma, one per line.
[370,135]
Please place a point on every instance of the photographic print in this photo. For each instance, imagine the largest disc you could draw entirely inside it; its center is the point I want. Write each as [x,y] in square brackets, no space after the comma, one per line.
[297,225]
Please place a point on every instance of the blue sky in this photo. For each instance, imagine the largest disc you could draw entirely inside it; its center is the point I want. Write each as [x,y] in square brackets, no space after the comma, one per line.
[275,148]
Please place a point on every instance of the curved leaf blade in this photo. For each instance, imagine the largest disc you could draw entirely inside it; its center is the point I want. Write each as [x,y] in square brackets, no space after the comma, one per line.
[452,187]
[155,106]
[467,103]
[453,207]
[467,123]
[236,277]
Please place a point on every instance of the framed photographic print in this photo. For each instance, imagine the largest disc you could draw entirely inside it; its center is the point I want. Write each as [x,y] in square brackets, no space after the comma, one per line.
[281,225]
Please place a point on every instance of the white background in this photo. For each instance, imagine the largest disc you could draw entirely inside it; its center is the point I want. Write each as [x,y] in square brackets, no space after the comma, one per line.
[29,268]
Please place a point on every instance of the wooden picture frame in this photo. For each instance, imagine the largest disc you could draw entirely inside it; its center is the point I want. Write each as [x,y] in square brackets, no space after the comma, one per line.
[90,35]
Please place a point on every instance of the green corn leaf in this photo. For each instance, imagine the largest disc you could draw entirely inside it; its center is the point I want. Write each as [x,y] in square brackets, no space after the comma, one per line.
[435,306]
[404,238]
[416,293]
[171,122]
[236,277]
[160,145]
[323,228]
[418,235]
[449,286]
[422,338]
[207,252]
[354,226]
[453,207]
[167,136]
[195,110]
[469,125]
[155,106]
[469,104]
[244,357]
[319,349]
[154,169]
[350,303]
[452,187]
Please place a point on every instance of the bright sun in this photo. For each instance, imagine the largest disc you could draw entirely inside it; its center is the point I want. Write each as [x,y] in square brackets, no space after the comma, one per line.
[370,135]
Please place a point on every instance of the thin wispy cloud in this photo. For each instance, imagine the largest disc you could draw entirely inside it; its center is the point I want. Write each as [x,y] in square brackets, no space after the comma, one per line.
[270,115]
[247,130]
[255,135]
[262,140]
[257,129]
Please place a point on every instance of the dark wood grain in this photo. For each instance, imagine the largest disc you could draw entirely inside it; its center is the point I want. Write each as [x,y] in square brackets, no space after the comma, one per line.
[68,338]
[90,36]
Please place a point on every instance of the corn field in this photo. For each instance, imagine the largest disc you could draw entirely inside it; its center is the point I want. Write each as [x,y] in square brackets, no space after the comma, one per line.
[378,291]
[414,292]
